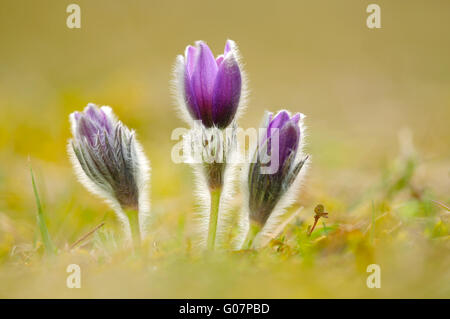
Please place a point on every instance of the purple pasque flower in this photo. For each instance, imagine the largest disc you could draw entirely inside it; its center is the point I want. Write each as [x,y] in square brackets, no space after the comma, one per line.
[93,123]
[277,164]
[211,87]
[107,158]
[283,135]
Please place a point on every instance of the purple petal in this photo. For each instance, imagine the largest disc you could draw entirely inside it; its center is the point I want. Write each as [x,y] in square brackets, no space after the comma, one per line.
[288,141]
[86,128]
[219,60]
[98,118]
[277,123]
[190,97]
[92,122]
[227,92]
[92,111]
[296,118]
[190,59]
[106,122]
[228,46]
[77,116]
[203,79]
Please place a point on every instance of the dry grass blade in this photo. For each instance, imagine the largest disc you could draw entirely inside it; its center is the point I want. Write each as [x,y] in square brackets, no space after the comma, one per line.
[85,236]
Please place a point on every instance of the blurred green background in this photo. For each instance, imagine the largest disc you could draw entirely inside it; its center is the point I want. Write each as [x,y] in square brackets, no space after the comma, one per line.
[360,88]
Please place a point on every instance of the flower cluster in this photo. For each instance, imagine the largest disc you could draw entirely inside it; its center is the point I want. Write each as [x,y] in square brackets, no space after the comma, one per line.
[210,92]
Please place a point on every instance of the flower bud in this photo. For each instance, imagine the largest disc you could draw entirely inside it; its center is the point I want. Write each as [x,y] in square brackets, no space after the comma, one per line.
[278,163]
[107,158]
[210,88]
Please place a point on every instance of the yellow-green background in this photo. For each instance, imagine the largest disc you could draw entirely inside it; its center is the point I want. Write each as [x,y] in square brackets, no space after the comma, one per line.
[358,87]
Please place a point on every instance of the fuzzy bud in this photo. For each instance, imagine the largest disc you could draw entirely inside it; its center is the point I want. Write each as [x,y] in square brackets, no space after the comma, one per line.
[107,158]
[210,88]
[280,143]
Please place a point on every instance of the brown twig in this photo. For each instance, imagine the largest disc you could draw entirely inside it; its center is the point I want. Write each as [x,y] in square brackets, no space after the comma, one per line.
[320,212]
[86,236]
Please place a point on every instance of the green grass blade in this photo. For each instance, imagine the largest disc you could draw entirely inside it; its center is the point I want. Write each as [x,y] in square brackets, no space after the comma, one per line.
[48,244]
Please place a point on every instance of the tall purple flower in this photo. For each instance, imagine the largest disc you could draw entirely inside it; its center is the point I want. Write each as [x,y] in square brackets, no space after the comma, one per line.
[210,88]
[278,161]
[108,160]
[210,92]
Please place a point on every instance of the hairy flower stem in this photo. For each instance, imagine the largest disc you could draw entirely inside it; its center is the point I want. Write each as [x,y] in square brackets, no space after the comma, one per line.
[213,217]
[252,232]
[133,218]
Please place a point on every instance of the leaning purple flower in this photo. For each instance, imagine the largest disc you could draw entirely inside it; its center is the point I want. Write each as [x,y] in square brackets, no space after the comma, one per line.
[108,159]
[210,88]
[285,131]
[278,162]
